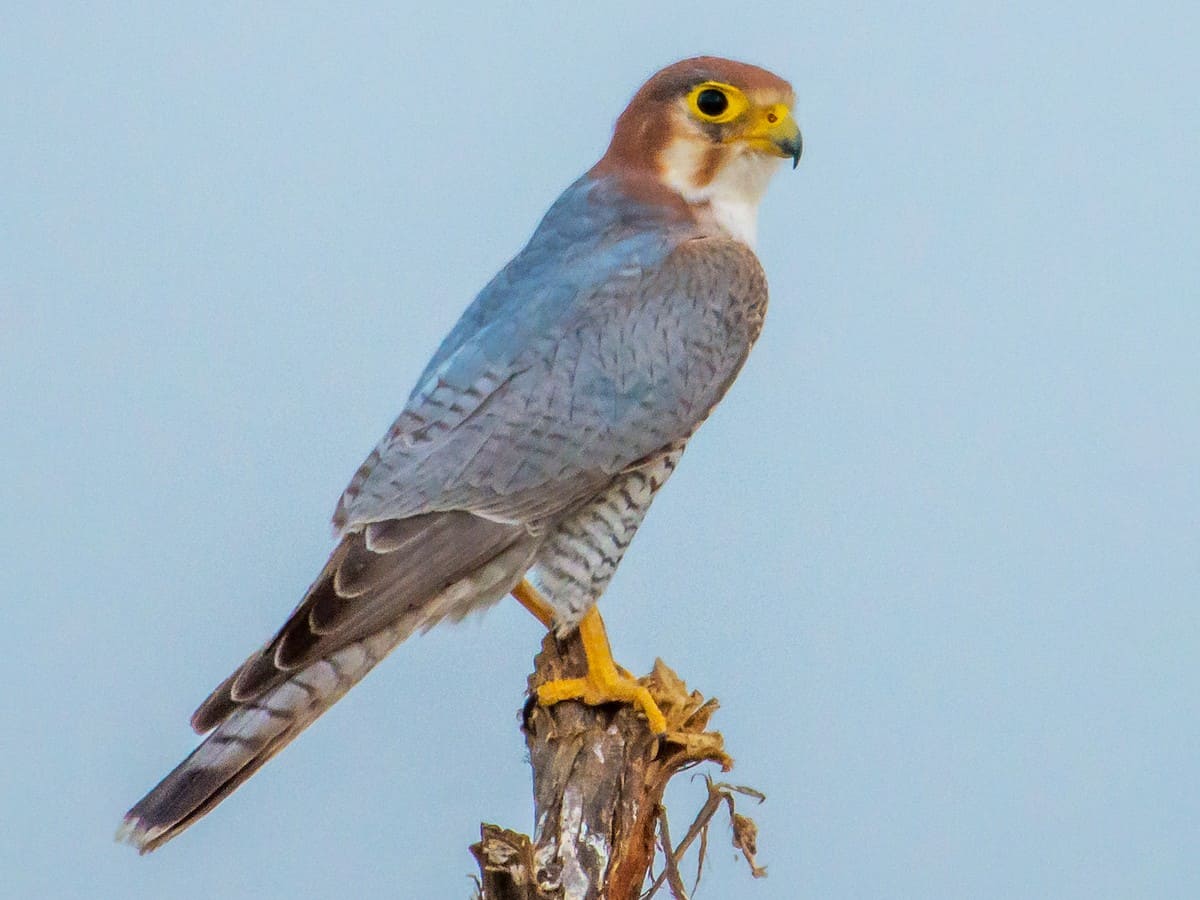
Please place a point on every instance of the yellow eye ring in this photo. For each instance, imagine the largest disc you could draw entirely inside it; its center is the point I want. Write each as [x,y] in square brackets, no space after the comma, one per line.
[715,102]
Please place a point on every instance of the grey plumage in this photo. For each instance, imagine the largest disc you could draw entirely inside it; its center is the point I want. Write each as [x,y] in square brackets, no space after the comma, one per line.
[534,441]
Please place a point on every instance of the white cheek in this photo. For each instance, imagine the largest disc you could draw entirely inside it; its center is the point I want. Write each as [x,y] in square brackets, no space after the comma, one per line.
[730,201]
[734,194]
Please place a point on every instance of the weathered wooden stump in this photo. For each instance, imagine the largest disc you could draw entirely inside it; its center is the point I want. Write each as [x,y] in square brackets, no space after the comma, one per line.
[598,783]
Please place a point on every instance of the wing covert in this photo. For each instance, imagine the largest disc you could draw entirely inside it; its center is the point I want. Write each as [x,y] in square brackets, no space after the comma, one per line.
[523,428]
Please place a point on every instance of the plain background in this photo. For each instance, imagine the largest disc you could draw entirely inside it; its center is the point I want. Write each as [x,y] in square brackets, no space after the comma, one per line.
[937,554]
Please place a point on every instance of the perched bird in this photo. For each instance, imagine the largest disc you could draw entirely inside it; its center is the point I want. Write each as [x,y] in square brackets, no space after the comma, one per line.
[539,433]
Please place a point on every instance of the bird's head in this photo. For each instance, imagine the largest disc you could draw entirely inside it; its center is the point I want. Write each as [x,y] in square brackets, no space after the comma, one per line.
[711,131]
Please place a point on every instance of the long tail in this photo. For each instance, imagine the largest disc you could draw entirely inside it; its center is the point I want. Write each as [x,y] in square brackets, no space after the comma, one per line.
[380,585]
[251,735]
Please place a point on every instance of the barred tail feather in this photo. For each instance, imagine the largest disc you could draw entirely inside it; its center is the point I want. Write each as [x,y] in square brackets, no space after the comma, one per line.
[251,734]
[380,585]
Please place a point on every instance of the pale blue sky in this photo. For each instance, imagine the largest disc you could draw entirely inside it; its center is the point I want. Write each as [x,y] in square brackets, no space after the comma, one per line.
[937,554]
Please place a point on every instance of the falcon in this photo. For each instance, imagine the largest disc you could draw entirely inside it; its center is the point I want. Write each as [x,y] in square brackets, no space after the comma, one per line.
[539,433]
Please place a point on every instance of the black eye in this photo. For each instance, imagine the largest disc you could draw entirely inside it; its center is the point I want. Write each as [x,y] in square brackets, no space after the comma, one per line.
[712,102]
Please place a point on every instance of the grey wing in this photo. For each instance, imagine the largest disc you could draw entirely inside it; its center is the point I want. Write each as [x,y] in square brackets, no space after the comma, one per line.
[450,510]
[536,411]
[634,365]
[495,449]
[389,573]
[489,454]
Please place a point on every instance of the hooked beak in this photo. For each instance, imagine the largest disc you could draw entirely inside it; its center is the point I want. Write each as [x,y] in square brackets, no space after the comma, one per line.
[786,137]
[792,146]
[776,132]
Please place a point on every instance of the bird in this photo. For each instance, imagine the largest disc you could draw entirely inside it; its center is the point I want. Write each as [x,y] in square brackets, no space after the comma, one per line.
[537,436]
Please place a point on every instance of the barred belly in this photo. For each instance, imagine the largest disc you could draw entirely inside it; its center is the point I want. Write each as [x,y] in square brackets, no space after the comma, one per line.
[578,558]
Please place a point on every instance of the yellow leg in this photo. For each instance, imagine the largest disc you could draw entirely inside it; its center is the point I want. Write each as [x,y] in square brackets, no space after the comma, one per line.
[604,682]
[529,598]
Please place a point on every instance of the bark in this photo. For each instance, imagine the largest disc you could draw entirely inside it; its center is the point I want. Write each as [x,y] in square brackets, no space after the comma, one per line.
[598,783]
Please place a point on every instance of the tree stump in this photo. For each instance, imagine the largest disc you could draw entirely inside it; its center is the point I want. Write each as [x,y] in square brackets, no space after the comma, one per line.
[598,783]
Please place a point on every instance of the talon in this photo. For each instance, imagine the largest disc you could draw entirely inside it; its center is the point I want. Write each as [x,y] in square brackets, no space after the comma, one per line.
[605,681]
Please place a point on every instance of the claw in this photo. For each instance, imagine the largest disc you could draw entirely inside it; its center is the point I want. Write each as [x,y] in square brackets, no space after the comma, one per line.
[605,681]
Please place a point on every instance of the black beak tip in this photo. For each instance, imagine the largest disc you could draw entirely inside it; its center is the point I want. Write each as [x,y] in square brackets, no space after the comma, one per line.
[793,148]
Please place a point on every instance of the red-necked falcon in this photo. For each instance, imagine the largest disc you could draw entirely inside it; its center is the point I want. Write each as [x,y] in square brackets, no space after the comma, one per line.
[537,436]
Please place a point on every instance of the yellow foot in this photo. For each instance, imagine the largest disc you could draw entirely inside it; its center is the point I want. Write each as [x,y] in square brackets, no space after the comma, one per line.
[605,681]
[527,595]
[594,691]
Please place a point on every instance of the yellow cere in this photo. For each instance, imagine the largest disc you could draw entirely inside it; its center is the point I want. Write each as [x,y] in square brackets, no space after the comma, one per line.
[737,105]
[771,129]
[764,126]
[769,121]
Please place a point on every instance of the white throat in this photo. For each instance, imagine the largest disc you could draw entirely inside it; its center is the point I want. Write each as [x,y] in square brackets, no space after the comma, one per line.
[729,202]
